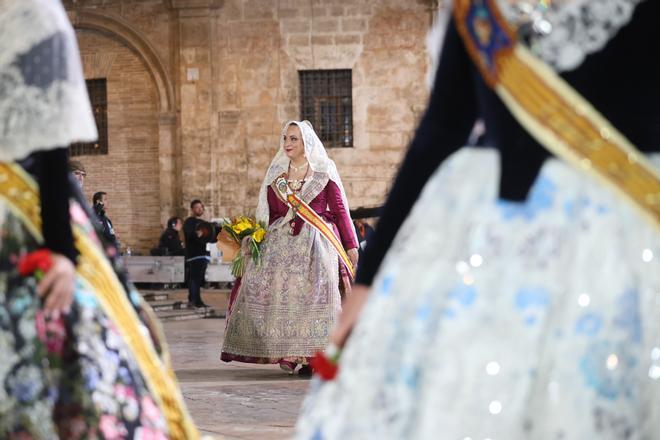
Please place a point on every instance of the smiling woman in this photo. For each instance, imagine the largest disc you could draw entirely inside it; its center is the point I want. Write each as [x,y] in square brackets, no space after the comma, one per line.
[283,309]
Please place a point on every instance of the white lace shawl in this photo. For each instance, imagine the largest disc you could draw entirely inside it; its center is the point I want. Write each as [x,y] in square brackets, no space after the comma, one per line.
[43,98]
[323,168]
[573,28]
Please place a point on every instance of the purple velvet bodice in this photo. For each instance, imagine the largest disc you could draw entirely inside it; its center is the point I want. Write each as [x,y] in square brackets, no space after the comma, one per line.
[328,204]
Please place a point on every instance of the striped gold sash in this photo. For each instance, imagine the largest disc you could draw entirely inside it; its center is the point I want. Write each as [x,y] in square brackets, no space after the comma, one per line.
[305,212]
[554,113]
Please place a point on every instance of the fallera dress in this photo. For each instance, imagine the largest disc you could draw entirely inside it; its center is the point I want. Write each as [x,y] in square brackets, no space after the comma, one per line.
[285,307]
[513,296]
[102,369]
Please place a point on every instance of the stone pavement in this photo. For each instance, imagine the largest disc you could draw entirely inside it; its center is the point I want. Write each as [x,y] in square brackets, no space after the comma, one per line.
[216,298]
[231,400]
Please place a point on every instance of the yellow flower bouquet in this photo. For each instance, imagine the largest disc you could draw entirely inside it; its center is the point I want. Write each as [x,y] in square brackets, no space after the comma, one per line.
[232,236]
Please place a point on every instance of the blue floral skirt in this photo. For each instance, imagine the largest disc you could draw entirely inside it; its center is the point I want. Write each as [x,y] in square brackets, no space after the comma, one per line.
[498,320]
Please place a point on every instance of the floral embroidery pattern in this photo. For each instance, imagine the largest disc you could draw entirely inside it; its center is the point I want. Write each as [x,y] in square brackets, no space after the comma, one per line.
[551,334]
[72,377]
[282,313]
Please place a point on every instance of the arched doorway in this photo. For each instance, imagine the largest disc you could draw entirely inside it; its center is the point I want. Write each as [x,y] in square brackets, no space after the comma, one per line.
[139,173]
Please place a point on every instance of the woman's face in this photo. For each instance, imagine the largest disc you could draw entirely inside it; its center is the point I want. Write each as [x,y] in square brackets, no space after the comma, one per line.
[293,144]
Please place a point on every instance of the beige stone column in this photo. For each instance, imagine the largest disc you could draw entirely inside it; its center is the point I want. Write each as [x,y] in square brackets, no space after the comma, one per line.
[194,50]
[170,197]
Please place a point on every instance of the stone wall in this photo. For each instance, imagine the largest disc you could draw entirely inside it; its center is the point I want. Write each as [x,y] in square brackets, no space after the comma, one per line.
[258,56]
[129,172]
[223,77]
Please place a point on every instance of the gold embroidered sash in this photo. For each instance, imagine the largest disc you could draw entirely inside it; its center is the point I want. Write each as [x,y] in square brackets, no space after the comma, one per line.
[21,194]
[554,113]
[305,212]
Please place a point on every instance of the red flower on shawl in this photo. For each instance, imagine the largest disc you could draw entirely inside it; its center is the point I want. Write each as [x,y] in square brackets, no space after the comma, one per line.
[324,367]
[35,261]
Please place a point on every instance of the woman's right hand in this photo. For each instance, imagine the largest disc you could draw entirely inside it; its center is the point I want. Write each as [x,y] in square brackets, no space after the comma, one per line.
[353,255]
[350,313]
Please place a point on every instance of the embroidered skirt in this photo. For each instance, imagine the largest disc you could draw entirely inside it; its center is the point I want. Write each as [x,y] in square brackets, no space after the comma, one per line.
[503,320]
[287,305]
[77,377]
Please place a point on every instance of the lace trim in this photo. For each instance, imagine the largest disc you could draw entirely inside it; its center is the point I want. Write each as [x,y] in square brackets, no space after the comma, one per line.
[53,111]
[314,186]
[435,38]
[34,119]
[569,30]
[42,19]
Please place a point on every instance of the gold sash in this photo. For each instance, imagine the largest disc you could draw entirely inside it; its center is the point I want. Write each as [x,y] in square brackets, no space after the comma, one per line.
[21,194]
[305,212]
[554,113]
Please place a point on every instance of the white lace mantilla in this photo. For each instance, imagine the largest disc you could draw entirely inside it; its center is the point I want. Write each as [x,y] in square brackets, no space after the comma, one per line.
[43,98]
[323,168]
[569,30]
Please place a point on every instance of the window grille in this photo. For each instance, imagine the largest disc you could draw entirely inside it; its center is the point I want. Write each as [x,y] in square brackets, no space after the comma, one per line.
[326,101]
[98,95]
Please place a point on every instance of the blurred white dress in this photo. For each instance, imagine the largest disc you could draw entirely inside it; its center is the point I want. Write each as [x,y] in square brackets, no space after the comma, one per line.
[500,320]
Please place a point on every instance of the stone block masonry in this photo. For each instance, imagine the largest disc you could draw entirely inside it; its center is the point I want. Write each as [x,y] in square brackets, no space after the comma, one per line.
[198,91]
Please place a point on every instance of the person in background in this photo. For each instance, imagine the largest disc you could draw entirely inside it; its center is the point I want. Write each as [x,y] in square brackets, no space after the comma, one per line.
[170,241]
[78,172]
[196,235]
[100,202]
[78,353]
[364,233]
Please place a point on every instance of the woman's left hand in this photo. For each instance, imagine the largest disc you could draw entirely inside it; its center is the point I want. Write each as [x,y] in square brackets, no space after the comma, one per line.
[57,286]
[246,249]
[353,256]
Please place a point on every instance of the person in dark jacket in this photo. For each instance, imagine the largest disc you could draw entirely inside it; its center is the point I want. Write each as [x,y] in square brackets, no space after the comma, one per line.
[170,241]
[365,233]
[197,233]
[100,202]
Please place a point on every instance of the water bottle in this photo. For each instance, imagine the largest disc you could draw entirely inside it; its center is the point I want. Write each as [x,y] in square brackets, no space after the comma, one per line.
[128,251]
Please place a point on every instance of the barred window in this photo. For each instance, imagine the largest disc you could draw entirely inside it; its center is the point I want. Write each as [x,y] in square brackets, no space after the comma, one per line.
[98,95]
[326,101]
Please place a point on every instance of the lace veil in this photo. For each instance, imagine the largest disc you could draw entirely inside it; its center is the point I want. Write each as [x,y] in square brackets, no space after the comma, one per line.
[562,32]
[323,167]
[43,98]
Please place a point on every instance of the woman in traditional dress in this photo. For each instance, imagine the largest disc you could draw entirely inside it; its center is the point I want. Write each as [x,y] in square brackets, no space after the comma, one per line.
[284,308]
[514,295]
[80,354]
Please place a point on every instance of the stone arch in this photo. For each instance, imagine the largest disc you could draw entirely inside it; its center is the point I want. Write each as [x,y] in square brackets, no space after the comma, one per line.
[122,30]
